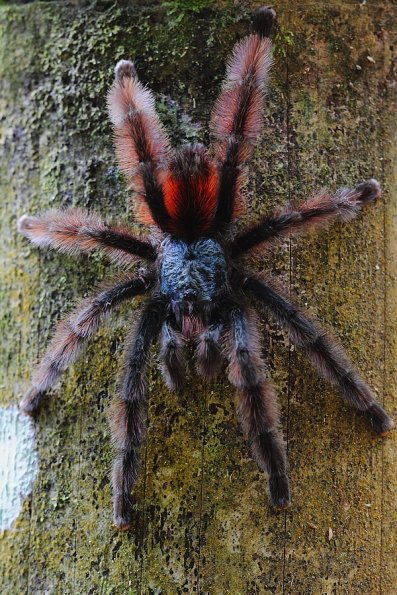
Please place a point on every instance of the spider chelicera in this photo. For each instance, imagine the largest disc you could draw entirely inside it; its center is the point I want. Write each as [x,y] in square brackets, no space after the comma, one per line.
[198,288]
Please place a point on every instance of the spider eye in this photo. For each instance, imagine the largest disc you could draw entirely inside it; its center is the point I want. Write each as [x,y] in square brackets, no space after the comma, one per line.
[191,295]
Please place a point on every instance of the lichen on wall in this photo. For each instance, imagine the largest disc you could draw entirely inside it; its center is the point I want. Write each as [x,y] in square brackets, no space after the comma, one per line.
[202,520]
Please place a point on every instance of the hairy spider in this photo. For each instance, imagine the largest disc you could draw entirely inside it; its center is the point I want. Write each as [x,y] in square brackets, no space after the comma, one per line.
[198,288]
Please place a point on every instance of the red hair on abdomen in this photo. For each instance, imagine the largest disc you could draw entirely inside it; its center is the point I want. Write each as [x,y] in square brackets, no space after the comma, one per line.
[191,192]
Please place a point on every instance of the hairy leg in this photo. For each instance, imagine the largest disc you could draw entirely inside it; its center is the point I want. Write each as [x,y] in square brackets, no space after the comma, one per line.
[322,208]
[142,146]
[128,410]
[209,356]
[327,357]
[171,355]
[75,230]
[258,408]
[237,121]
[72,334]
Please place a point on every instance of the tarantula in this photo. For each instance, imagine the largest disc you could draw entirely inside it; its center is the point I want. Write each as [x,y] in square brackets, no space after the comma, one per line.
[198,288]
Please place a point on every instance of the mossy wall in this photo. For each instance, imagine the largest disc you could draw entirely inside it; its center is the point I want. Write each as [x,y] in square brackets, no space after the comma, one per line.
[203,523]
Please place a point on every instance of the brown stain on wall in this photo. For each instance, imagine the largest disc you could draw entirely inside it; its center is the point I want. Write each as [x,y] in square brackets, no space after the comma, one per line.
[203,520]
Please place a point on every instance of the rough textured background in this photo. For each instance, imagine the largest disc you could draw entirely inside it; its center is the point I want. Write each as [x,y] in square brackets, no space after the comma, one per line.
[203,520]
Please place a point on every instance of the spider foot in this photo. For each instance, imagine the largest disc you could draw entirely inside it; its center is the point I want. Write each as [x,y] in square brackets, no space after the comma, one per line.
[174,374]
[209,353]
[122,516]
[209,366]
[123,523]
[122,512]
[279,491]
[263,21]
[369,191]
[124,69]
[30,403]
[24,224]
[380,421]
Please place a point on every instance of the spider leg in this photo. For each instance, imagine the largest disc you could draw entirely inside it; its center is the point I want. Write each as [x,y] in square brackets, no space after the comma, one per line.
[258,409]
[172,356]
[75,230]
[237,121]
[318,210]
[327,357]
[141,145]
[128,410]
[72,334]
[209,355]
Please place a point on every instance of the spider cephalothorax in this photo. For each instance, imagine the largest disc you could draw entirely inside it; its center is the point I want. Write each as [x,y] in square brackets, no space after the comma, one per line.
[199,290]
[192,274]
